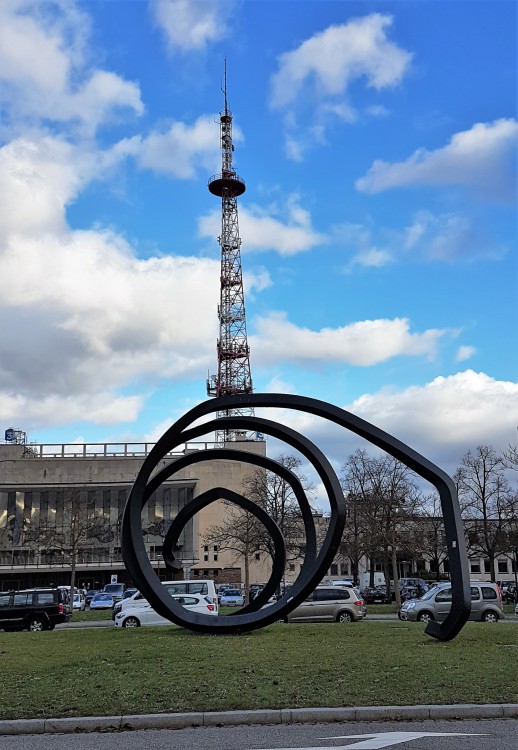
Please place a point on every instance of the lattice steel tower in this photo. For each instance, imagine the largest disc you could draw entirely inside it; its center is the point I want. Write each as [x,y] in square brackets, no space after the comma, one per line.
[234,375]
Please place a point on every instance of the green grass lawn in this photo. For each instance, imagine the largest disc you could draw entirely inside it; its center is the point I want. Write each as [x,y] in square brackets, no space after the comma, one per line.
[105,671]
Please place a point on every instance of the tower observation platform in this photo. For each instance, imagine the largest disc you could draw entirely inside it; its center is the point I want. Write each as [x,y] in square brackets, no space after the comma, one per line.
[226,181]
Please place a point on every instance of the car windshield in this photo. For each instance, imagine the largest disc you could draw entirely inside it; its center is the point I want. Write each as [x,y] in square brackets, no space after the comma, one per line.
[232,593]
[117,587]
[431,592]
[102,597]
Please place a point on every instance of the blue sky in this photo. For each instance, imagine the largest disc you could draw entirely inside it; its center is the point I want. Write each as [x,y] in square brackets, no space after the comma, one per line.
[378,144]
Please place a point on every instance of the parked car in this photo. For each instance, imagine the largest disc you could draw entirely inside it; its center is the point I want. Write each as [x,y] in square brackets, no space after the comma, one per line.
[134,617]
[34,609]
[232,598]
[90,595]
[375,595]
[78,602]
[516,609]
[222,588]
[412,588]
[486,603]
[129,593]
[102,600]
[253,590]
[329,604]
[116,590]
[202,587]
[510,596]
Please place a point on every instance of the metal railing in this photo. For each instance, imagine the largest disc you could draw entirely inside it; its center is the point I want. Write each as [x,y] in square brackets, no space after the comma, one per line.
[105,450]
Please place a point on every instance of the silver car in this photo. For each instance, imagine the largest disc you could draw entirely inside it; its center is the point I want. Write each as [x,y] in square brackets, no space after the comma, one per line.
[330,604]
[486,603]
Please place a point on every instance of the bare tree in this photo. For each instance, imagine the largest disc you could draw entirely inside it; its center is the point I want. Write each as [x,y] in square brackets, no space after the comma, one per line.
[385,495]
[238,534]
[484,498]
[275,496]
[431,534]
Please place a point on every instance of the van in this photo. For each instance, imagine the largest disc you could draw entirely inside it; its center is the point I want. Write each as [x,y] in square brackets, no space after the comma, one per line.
[203,587]
[486,603]
[116,590]
[329,604]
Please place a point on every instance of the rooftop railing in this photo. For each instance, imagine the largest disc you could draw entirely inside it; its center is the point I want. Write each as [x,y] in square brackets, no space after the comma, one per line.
[105,450]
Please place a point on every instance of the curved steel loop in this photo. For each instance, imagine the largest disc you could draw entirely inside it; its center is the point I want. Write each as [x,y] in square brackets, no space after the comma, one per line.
[138,564]
[229,454]
[461,599]
[222,493]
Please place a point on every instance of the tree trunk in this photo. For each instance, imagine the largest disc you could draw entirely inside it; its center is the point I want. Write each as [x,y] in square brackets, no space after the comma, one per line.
[396,578]
[72,561]
[247,574]
[492,567]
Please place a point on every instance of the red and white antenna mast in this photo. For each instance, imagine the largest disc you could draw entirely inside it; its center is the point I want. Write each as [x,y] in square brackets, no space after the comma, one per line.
[234,375]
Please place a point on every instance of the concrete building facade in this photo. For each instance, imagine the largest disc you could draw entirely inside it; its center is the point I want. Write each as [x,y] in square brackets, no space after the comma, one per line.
[64,501]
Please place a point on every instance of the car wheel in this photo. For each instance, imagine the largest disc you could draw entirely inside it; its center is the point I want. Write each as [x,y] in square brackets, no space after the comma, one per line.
[425,617]
[36,625]
[51,626]
[131,622]
[489,617]
[344,617]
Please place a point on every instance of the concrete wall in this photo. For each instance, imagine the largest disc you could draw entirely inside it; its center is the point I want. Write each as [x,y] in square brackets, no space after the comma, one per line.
[22,471]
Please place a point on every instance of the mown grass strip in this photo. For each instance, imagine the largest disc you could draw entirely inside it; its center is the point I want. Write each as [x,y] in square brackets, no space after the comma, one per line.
[99,672]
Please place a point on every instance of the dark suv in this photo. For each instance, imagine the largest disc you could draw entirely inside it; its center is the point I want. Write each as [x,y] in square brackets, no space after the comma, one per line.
[34,609]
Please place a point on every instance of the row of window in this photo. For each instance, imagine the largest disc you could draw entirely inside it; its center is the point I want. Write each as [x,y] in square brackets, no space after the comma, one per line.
[22,599]
[502,566]
[32,510]
[487,594]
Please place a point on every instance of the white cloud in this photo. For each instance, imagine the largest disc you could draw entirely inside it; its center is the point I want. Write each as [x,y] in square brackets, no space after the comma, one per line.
[447,416]
[339,55]
[321,69]
[481,159]
[61,86]
[285,229]
[98,408]
[377,110]
[464,353]
[363,343]
[94,313]
[444,237]
[40,175]
[448,237]
[442,419]
[181,150]
[192,25]
[358,241]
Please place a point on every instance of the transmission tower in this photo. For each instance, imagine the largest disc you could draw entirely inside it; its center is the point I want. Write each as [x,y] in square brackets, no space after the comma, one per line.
[234,375]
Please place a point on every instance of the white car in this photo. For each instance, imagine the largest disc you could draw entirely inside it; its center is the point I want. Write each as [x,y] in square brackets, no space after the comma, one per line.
[78,602]
[134,617]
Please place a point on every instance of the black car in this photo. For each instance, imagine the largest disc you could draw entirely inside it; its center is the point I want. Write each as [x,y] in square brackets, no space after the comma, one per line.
[375,595]
[511,595]
[34,609]
[254,589]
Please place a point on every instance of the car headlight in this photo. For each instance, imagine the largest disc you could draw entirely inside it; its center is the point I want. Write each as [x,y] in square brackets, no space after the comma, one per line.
[410,605]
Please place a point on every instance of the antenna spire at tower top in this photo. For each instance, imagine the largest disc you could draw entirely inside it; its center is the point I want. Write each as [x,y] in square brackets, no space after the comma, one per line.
[225,86]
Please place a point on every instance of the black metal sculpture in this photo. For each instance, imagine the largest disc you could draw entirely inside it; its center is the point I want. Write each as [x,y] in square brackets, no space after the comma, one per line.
[316,563]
